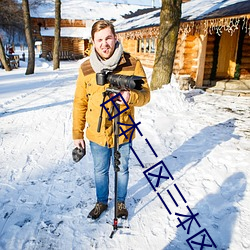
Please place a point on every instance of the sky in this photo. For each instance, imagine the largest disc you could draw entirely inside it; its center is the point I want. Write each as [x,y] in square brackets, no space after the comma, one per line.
[202,140]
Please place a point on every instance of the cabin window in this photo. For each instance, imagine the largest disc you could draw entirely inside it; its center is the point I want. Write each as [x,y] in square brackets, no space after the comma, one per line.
[146,45]
[152,45]
[140,45]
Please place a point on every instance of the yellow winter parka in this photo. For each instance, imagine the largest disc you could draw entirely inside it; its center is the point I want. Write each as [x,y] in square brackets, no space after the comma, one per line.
[89,97]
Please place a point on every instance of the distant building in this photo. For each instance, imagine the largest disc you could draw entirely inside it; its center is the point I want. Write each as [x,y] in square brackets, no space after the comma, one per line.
[77,19]
[75,36]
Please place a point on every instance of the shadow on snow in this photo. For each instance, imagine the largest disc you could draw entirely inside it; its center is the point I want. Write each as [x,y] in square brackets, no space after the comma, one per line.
[217,214]
[188,156]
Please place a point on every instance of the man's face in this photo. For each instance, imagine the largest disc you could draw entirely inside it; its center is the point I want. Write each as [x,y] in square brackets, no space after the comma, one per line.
[104,42]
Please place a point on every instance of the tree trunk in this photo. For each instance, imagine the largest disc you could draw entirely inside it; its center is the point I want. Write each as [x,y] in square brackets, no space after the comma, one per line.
[28,33]
[3,57]
[168,34]
[56,59]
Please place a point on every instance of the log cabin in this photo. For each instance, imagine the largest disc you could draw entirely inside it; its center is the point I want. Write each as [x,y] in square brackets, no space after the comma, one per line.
[77,19]
[74,37]
[213,41]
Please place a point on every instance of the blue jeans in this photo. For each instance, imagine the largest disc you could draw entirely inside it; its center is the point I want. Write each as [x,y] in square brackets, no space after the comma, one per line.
[102,158]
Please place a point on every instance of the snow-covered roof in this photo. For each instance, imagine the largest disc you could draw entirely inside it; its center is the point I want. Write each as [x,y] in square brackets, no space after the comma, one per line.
[191,11]
[145,20]
[79,32]
[205,9]
[85,10]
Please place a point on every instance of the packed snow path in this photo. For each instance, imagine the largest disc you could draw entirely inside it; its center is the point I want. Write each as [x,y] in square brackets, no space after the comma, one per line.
[44,197]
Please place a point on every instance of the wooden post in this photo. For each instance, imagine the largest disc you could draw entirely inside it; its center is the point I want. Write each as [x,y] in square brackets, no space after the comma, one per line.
[201,60]
[140,44]
[144,45]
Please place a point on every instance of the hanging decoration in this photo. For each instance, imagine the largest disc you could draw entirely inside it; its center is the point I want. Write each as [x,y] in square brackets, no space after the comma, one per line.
[148,32]
[218,25]
[246,25]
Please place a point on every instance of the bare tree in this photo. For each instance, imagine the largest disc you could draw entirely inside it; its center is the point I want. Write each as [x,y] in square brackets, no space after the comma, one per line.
[28,33]
[11,24]
[11,16]
[36,3]
[56,59]
[3,57]
[168,34]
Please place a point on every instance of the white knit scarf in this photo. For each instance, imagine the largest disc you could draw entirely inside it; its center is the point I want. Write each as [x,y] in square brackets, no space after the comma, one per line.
[98,64]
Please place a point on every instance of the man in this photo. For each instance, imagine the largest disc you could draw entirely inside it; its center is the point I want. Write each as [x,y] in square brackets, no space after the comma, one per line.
[107,54]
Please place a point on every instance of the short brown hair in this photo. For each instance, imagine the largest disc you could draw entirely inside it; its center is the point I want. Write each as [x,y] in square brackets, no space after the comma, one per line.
[101,24]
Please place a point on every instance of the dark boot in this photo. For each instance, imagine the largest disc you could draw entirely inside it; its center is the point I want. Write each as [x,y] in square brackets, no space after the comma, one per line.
[122,211]
[97,210]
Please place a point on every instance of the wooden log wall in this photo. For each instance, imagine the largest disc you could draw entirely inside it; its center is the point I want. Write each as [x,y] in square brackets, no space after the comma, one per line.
[66,44]
[185,59]
[209,57]
[47,45]
[146,59]
[178,61]
[50,22]
[79,46]
[186,55]
[131,46]
[190,56]
[73,45]
[245,60]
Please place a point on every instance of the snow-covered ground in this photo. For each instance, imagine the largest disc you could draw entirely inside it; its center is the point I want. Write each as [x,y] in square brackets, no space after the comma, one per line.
[202,139]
